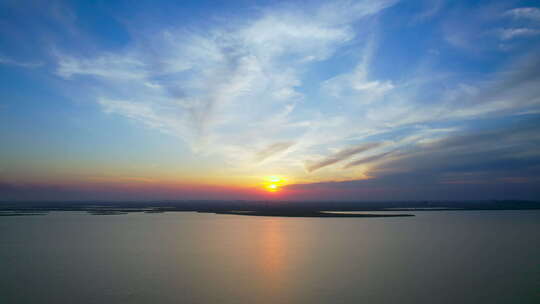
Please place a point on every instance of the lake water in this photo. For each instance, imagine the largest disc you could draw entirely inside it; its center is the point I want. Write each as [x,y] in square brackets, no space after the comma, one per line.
[434,257]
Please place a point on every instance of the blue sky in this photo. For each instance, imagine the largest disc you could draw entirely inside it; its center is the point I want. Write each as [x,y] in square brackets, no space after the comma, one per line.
[352,100]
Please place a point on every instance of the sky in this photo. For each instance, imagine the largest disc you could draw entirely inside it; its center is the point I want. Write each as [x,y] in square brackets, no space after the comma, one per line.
[269,100]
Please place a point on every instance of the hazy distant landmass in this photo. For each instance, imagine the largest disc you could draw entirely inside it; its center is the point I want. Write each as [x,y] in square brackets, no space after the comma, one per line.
[20,213]
[261,208]
[289,213]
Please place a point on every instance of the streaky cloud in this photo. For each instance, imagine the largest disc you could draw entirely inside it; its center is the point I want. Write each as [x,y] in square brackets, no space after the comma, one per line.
[272,149]
[212,87]
[368,159]
[24,64]
[341,156]
[532,13]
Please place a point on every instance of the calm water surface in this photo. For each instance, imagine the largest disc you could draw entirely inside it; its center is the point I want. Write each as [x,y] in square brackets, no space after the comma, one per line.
[435,257]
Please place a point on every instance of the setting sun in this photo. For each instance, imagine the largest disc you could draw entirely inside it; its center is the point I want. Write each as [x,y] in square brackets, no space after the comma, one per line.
[272,188]
[273,183]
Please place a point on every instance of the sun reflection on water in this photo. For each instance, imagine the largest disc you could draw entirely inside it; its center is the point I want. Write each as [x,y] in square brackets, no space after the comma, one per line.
[273,250]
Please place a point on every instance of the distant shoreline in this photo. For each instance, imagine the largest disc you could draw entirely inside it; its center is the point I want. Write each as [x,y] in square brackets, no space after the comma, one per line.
[263,208]
[308,214]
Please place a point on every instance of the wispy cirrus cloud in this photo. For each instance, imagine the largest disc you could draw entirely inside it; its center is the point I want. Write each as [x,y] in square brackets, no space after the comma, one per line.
[110,67]
[272,149]
[258,80]
[24,64]
[532,13]
[357,84]
[367,160]
[377,94]
[511,33]
[500,162]
[341,155]
[245,77]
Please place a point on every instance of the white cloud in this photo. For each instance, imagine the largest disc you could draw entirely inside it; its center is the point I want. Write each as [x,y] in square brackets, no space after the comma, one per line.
[532,13]
[245,92]
[357,85]
[432,8]
[224,87]
[161,118]
[511,33]
[112,67]
[23,64]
